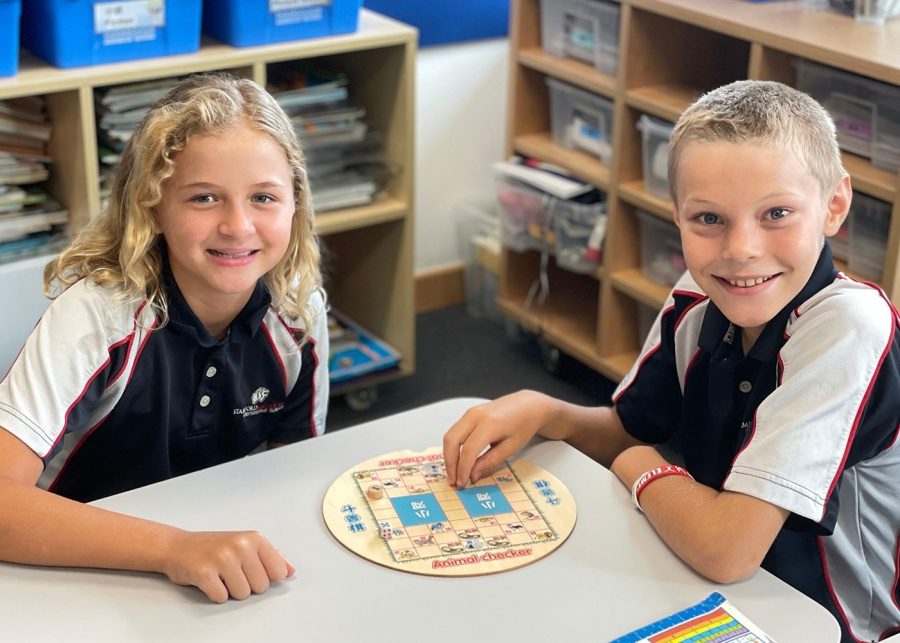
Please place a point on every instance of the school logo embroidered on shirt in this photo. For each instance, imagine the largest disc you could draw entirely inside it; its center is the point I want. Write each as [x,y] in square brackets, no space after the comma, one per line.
[256,407]
[259,395]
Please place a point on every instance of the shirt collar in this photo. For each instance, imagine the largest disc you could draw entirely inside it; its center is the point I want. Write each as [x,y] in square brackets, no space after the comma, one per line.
[183,319]
[715,326]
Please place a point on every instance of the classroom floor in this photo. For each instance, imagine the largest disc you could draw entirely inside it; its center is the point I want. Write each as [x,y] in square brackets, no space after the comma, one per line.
[461,356]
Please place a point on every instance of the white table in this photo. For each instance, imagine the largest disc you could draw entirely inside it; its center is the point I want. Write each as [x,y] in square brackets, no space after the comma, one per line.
[611,576]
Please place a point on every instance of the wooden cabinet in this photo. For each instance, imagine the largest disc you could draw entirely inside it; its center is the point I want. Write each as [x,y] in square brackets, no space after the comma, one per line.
[368,249]
[670,52]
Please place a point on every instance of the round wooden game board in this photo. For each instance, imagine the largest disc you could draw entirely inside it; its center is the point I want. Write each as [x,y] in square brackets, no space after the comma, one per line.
[421,524]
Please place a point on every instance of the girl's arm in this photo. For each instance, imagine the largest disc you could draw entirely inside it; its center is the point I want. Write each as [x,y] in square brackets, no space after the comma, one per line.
[41,528]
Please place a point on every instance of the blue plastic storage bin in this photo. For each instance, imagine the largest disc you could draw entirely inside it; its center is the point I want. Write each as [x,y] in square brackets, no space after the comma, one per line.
[245,23]
[73,33]
[10,10]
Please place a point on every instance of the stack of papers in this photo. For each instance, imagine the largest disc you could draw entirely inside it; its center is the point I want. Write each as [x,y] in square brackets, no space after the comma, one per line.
[345,159]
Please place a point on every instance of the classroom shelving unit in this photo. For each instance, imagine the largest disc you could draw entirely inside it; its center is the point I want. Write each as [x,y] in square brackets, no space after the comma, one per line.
[670,51]
[368,249]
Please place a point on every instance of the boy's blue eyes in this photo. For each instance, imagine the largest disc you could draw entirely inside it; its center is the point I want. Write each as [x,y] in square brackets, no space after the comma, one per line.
[708,218]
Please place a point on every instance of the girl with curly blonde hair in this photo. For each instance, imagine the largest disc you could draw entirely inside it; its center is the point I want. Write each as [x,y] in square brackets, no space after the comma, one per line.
[188,329]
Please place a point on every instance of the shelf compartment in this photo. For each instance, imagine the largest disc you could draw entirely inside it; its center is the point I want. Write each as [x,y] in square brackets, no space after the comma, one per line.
[662,84]
[366,273]
[579,164]
[867,178]
[568,316]
[379,211]
[573,71]
[634,193]
[633,283]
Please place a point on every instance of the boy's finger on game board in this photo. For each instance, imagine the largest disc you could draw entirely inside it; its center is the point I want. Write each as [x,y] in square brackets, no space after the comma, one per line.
[453,440]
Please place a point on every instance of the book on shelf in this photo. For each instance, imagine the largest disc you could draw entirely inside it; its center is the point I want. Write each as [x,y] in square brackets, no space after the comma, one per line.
[17,109]
[13,143]
[22,127]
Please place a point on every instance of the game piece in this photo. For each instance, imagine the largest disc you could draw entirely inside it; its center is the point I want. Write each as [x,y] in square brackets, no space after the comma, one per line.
[511,518]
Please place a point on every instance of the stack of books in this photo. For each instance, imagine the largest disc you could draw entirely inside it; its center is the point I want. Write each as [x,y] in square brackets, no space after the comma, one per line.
[345,160]
[31,221]
[119,110]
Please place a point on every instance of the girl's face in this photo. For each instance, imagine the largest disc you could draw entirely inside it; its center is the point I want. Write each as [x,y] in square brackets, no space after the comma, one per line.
[226,215]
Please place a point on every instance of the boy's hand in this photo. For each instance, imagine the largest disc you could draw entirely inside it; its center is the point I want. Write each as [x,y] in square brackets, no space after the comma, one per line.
[505,425]
[225,563]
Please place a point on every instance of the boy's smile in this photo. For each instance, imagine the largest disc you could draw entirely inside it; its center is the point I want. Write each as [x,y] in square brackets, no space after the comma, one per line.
[752,220]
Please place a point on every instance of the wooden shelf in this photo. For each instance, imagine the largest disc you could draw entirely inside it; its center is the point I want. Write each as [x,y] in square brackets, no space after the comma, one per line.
[580,164]
[634,284]
[665,101]
[671,52]
[380,211]
[38,77]
[570,70]
[370,265]
[869,179]
[633,192]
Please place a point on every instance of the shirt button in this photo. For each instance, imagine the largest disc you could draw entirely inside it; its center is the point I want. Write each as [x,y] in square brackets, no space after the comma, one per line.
[204,401]
[745,386]
[210,371]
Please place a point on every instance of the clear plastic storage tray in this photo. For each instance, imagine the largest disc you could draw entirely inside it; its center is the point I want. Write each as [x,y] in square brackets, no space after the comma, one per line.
[864,111]
[581,120]
[532,220]
[584,29]
[579,231]
[869,223]
[662,260]
[655,134]
[522,216]
[886,149]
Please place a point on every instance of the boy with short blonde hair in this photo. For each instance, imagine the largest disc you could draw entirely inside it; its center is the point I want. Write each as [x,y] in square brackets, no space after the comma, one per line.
[780,374]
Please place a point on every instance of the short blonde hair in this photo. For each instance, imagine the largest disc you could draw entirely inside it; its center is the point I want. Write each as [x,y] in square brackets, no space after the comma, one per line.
[762,112]
[121,247]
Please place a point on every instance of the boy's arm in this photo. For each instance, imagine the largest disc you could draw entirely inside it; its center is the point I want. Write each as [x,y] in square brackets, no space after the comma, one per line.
[41,528]
[721,535]
[508,423]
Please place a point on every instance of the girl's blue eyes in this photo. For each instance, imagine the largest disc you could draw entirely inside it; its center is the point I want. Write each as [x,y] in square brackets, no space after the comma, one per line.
[709,218]
[256,198]
[778,213]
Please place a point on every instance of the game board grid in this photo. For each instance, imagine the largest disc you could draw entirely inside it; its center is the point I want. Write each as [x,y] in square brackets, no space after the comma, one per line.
[435,540]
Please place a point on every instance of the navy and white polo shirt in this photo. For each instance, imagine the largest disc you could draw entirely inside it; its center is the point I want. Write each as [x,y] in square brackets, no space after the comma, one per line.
[807,420]
[109,405]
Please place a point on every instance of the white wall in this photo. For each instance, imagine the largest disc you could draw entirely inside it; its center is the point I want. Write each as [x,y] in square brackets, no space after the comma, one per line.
[460,131]
[22,294]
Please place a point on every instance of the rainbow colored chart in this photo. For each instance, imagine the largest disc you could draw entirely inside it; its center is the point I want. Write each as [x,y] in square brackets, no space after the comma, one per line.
[712,620]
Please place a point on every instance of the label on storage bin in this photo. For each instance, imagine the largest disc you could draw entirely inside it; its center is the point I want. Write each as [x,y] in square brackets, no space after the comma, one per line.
[290,12]
[132,15]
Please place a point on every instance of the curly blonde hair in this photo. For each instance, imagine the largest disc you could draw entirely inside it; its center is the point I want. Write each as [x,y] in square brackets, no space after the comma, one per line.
[121,248]
[763,112]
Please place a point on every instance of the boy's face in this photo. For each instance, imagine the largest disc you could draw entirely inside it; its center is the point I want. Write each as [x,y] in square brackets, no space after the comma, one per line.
[226,215]
[752,221]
